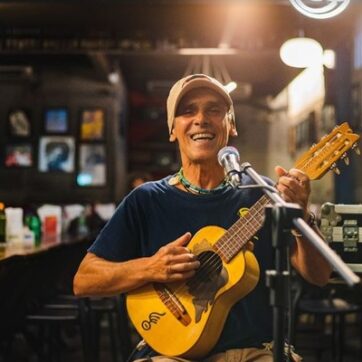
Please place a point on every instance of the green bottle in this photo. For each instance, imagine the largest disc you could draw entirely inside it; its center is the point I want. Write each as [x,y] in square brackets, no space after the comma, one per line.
[2,223]
[34,224]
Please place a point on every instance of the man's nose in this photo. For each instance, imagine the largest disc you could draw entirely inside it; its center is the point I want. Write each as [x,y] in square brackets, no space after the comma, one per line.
[200,118]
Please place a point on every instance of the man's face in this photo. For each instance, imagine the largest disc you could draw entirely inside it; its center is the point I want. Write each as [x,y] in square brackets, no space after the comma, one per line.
[201,125]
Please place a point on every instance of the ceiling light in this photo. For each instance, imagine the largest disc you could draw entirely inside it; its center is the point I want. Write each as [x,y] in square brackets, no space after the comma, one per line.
[319,9]
[329,58]
[301,52]
[113,77]
[231,86]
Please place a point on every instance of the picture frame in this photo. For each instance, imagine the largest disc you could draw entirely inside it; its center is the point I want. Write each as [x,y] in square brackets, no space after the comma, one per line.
[19,123]
[56,120]
[18,155]
[56,154]
[92,168]
[92,124]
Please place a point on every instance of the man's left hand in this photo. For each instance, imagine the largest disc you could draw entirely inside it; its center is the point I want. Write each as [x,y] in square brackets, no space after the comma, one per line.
[294,186]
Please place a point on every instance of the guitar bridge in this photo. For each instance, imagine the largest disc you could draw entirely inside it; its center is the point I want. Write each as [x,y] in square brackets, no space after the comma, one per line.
[172,303]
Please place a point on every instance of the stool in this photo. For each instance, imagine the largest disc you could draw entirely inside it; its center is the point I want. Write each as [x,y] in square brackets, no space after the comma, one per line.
[48,342]
[55,314]
[338,309]
[108,307]
[92,311]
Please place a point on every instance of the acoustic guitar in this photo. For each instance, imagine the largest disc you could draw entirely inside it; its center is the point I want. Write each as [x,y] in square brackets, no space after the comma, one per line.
[186,318]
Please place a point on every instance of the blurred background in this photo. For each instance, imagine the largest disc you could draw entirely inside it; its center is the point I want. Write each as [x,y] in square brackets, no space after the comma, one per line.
[83,87]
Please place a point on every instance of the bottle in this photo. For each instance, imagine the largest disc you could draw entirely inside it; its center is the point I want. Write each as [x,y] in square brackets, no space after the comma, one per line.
[34,224]
[2,223]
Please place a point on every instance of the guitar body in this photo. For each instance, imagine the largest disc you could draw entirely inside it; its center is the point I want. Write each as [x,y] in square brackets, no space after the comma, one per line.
[186,319]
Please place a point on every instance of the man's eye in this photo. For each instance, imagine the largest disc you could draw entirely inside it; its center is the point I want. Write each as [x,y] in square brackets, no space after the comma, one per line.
[215,110]
[187,111]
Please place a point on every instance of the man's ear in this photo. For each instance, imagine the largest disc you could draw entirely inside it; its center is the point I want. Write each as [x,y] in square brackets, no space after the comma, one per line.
[233,132]
[172,137]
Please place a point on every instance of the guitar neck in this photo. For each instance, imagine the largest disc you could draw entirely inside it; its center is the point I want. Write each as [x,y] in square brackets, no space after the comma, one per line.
[242,231]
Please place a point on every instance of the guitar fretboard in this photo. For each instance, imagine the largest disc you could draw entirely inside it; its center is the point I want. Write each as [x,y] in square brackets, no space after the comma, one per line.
[242,231]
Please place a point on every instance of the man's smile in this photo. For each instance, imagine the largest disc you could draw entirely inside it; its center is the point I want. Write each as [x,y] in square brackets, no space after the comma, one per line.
[202,136]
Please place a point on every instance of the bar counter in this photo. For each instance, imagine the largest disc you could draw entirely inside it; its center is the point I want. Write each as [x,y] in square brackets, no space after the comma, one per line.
[56,241]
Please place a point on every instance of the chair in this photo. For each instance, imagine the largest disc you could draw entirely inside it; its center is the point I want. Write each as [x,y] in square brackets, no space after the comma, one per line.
[92,311]
[321,303]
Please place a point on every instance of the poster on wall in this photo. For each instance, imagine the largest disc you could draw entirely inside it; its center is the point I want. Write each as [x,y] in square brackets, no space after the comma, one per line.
[92,165]
[56,153]
[19,123]
[20,155]
[56,120]
[92,124]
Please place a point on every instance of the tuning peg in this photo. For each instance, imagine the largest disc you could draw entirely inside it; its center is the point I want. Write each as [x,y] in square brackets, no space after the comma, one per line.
[356,149]
[345,158]
[335,169]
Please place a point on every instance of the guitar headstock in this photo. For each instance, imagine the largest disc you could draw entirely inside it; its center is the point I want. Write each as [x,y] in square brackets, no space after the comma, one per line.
[323,156]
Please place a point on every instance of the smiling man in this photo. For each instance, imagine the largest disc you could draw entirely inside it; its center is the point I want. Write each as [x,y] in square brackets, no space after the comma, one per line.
[149,241]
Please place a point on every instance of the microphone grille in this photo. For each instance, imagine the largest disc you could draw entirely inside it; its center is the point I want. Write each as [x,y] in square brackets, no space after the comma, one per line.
[228,150]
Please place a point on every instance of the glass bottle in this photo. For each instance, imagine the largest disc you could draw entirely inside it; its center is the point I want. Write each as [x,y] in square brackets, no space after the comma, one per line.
[34,224]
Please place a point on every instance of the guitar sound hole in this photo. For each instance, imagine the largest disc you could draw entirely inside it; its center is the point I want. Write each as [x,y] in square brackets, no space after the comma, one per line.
[210,266]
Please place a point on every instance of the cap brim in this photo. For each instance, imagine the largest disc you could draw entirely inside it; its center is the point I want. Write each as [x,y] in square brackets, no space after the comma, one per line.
[203,83]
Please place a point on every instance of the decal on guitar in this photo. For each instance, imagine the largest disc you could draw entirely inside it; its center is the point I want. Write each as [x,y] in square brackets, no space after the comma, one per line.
[209,278]
[153,317]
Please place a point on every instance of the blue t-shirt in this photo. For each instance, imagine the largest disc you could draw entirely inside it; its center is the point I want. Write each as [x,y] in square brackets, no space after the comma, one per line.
[156,213]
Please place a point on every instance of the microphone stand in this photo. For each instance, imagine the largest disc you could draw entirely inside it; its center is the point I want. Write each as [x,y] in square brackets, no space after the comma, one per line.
[285,216]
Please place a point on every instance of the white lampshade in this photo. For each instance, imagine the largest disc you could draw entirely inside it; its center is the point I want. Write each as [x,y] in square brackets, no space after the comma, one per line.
[301,52]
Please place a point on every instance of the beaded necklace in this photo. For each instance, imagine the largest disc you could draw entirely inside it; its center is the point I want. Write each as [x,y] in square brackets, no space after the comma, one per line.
[196,189]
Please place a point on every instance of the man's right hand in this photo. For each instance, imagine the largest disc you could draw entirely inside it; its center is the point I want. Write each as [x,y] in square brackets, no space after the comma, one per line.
[173,262]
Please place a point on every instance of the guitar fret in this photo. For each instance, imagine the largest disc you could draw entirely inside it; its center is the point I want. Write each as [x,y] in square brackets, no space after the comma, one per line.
[242,231]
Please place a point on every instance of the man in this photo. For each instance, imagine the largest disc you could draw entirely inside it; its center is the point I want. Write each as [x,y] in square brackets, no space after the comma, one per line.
[146,240]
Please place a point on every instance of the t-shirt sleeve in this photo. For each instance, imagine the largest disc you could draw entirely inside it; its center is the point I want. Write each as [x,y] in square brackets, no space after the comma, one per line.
[119,240]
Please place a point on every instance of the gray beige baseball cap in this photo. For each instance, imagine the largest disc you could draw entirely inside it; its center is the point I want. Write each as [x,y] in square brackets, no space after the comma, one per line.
[184,85]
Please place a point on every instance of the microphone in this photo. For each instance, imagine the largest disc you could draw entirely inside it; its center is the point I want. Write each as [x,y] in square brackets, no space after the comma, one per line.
[229,159]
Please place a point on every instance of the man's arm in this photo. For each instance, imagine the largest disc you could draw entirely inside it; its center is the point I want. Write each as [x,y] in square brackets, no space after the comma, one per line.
[311,265]
[172,262]
[294,186]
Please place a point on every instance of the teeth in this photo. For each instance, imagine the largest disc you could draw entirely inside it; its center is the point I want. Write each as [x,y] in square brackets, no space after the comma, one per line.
[202,136]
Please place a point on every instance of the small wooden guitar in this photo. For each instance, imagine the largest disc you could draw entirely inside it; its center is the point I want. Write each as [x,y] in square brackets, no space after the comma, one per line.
[186,318]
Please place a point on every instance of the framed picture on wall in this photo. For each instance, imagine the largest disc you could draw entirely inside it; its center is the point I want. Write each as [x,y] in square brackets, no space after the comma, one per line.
[56,120]
[19,124]
[92,165]
[56,153]
[19,155]
[92,124]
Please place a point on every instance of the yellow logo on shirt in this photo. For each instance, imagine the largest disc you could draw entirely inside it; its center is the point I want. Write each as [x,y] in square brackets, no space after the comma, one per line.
[243,211]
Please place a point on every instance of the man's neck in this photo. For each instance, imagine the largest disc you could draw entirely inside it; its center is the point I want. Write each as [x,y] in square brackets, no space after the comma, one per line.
[204,176]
